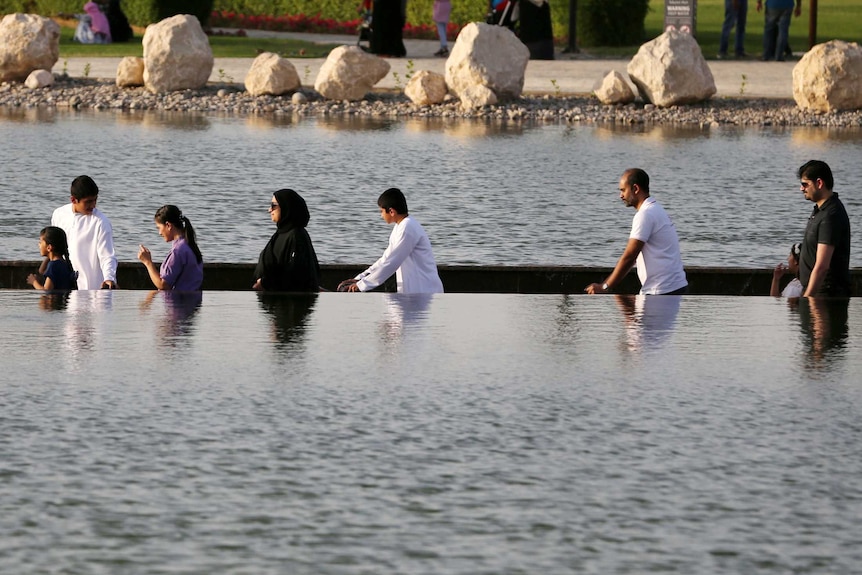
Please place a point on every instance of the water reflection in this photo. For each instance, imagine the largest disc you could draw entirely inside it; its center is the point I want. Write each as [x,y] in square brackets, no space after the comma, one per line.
[176,121]
[804,137]
[289,314]
[178,322]
[272,122]
[824,328]
[403,314]
[649,321]
[497,168]
[354,123]
[27,115]
[83,330]
[477,129]
[657,132]
[54,301]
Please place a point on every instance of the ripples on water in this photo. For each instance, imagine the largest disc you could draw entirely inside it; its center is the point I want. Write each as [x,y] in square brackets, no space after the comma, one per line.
[486,193]
[234,433]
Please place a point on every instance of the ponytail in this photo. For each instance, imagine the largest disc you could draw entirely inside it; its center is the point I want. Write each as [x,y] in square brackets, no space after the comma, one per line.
[173,215]
[191,238]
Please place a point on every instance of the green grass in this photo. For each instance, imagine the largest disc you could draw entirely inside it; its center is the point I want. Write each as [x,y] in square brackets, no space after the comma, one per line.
[836,20]
[222,47]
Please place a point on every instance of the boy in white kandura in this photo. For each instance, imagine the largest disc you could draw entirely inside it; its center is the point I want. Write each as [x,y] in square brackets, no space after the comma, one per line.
[408,255]
[90,236]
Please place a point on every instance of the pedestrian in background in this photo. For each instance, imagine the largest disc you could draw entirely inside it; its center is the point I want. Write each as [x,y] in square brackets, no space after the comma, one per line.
[387,22]
[776,26]
[735,15]
[442,10]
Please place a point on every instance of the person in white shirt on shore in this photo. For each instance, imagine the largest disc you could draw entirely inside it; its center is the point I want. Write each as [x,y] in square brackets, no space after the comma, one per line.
[90,236]
[408,255]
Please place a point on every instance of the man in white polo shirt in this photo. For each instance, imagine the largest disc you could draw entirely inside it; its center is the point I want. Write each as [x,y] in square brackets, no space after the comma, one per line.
[653,244]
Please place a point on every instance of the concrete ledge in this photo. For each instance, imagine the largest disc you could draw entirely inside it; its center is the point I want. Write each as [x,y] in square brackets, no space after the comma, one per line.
[456,279]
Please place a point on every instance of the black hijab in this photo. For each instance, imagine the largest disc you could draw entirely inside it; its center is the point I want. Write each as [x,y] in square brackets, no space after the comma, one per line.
[294,211]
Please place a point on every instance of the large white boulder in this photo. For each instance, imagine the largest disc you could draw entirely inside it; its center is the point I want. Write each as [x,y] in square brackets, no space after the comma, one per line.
[426,88]
[27,42]
[349,73]
[177,55]
[271,74]
[671,70]
[488,56]
[829,77]
[130,72]
[614,89]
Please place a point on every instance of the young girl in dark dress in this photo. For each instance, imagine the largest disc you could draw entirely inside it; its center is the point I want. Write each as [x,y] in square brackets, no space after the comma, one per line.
[59,274]
[288,262]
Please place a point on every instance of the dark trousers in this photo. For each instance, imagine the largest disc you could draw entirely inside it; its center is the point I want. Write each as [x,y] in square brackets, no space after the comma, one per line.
[775,32]
[734,17]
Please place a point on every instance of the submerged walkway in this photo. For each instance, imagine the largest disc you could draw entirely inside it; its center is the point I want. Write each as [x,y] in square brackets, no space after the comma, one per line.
[569,74]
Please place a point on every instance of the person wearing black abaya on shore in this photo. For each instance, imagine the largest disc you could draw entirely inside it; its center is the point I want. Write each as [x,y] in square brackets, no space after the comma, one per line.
[117,21]
[535,29]
[387,21]
[288,262]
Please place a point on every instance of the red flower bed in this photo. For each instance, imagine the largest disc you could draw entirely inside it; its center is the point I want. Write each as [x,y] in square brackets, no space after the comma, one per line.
[316,24]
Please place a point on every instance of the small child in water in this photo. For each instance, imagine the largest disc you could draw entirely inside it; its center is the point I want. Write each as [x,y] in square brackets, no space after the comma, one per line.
[794,288]
[58,274]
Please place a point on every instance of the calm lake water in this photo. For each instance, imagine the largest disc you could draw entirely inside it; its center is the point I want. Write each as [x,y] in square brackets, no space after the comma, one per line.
[461,434]
[487,193]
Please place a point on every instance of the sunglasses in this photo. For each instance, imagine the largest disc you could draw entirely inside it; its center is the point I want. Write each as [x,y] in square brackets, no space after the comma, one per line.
[273,205]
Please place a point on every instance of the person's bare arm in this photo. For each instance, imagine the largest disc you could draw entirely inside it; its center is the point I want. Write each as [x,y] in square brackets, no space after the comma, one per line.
[777,274]
[821,266]
[147,259]
[623,267]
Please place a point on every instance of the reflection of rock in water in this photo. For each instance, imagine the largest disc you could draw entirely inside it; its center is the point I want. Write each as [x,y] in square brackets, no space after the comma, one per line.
[824,324]
[183,121]
[356,123]
[27,115]
[658,132]
[289,314]
[269,122]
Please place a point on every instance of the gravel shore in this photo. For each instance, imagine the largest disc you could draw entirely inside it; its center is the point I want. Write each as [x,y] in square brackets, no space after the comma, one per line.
[83,93]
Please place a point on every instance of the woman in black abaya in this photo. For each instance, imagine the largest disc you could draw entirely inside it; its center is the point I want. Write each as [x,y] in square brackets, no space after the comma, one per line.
[387,21]
[288,262]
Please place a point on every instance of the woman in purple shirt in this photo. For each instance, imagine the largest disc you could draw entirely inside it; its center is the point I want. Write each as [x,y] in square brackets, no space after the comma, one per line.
[183,267]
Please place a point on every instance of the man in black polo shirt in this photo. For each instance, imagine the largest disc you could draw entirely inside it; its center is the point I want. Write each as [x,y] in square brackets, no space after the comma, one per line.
[824,264]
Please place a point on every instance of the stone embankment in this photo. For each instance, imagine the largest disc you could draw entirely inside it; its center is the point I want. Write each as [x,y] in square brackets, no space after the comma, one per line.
[84,93]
